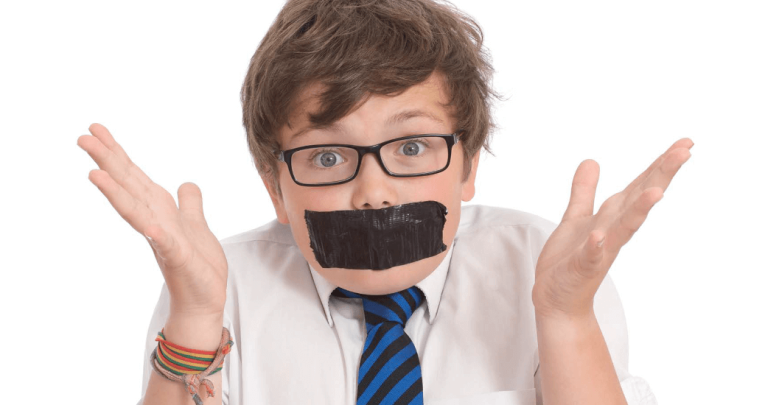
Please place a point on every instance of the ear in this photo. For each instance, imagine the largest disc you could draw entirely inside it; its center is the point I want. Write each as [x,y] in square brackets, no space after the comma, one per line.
[468,186]
[276,199]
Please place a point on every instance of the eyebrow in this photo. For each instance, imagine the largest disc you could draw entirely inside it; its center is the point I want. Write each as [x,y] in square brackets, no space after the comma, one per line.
[334,127]
[409,114]
[397,118]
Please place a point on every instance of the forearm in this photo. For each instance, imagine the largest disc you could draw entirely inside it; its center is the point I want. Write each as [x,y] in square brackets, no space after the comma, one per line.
[202,334]
[575,365]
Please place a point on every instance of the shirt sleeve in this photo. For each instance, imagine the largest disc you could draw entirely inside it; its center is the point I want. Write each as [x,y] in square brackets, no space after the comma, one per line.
[161,311]
[613,324]
[610,315]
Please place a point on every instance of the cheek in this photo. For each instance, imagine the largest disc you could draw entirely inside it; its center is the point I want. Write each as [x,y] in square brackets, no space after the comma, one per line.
[298,199]
[446,190]
[445,187]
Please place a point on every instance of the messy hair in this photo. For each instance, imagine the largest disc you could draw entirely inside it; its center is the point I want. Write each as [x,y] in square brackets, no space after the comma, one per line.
[358,48]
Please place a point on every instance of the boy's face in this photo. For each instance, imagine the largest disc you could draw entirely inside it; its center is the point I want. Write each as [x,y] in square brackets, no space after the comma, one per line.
[373,188]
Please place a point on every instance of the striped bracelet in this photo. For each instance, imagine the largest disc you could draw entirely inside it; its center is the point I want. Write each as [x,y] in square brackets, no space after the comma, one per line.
[189,366]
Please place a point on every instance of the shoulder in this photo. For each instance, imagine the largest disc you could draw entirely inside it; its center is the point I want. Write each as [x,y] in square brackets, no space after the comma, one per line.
[485,219]
[271,236]
[271,232]
[501,238]
[495,255]
[261,253]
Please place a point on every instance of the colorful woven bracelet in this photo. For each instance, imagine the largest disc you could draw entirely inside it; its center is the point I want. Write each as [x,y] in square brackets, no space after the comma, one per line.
[189,366]
[180,360]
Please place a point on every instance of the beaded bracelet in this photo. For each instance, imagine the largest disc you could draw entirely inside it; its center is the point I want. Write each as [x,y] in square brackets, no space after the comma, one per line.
[189,366]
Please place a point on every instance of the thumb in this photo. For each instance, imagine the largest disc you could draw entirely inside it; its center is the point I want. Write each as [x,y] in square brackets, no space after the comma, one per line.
[190,201]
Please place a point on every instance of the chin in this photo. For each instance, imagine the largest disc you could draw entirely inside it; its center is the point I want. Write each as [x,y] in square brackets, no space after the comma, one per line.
[380,282]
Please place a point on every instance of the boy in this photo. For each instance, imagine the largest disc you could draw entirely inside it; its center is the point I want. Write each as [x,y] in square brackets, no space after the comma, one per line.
[366,123]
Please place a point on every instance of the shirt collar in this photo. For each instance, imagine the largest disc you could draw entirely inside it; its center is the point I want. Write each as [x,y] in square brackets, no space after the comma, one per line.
[432,286]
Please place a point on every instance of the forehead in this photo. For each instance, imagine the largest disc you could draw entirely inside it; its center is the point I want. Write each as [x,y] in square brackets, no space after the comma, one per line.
[430,97]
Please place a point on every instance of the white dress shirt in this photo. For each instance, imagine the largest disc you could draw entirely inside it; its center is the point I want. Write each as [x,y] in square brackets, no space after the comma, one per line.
[475,333]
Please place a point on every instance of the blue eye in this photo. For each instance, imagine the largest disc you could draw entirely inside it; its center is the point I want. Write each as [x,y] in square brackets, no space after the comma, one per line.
[412,148]
[327,159]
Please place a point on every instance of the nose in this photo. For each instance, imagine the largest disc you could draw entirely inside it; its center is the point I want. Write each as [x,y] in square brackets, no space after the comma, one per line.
[374,189]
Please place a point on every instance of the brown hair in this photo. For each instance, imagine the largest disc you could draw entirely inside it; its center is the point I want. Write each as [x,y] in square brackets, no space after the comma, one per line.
[356,48]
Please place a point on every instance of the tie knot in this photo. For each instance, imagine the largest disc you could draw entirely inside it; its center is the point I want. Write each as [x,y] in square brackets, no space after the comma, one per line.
[396,307]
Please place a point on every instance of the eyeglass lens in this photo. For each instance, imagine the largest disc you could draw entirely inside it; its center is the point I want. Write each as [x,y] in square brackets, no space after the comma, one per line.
[326,164]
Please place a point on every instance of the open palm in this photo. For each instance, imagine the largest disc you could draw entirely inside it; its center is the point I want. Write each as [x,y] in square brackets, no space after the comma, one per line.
[573,263]
[191,258]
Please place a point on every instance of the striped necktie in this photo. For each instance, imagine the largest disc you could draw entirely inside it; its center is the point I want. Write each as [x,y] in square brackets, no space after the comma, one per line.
[389,370]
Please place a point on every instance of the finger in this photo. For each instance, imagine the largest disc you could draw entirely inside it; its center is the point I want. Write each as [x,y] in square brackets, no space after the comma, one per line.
[99,131]
[102,134]
[665,172]
[130,209]
[583,187]
[117,164]
[682,143]
[592,254]
[190,201]
[631,220]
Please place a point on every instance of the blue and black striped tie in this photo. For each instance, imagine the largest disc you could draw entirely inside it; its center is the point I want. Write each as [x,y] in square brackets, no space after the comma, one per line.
[389,370]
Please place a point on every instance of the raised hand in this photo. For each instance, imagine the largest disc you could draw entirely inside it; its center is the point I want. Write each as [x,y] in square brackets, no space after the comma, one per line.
[189,255]
[579,253]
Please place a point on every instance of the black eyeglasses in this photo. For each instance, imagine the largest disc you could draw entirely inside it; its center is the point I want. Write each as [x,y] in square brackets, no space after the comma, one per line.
[408,156]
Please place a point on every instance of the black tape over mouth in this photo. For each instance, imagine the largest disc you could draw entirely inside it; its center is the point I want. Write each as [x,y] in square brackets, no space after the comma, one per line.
[377,239]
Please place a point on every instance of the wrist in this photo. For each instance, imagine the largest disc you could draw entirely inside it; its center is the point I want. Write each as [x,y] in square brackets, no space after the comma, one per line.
[563,312]
[566,322]
[201,332]
[563,331]
[553,309]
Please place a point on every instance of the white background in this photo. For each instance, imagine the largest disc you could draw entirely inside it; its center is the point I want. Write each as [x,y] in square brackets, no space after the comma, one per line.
[617,82]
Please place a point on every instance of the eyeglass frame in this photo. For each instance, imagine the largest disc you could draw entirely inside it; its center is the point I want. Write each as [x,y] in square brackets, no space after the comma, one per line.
[451,140]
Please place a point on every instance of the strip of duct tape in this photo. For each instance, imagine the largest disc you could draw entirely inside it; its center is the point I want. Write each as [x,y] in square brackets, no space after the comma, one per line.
[377,239]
